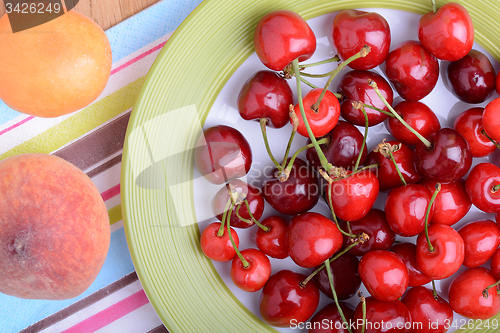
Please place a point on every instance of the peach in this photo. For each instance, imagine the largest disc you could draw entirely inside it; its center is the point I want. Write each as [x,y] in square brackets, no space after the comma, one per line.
[54,228]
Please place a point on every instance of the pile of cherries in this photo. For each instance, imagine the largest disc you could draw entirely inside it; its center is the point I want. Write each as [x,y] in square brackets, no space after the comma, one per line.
[426,172]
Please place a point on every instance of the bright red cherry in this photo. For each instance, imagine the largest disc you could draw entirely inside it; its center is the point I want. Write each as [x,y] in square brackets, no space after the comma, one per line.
[312,238]
[353,29]
[448,254]
[284,300]
[273,241]
[253,277]
[448,34]
[483,187]
[266,95]
[215,247]
[408,252]
[322,120]
[222,153]
[329,320]
[416,114]
[428,314]
[412,70]
[281,37]
[495,264]
[383,317]
[354,88]
[384,274]
[481,239]
[466,294]
[470,124]
[491,119]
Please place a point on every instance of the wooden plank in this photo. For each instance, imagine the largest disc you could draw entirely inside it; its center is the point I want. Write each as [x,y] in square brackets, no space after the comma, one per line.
[106,13]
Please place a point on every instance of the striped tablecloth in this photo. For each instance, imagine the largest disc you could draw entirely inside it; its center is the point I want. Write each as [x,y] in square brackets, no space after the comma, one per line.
[92,139]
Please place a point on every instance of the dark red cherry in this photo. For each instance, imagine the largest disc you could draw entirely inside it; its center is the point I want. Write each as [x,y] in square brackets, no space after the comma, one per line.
[470,124]
[298,194]
[222,153]
[346,280]
[273,241]
[353,29]
[408,252]
[483,187]
[471,78]
[353,86]
[253,277]
[412,70]
[266,95]
[284,300]
[382,316]
[282,36]
[329,319]
[481,239]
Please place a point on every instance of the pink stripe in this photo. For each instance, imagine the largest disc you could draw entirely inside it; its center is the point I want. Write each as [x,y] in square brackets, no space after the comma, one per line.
[112,192]
[111,314]
[16,125]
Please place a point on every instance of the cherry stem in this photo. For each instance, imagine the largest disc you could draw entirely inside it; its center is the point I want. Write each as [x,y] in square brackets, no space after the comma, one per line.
[326,61]
[335,298]
[489,138]
[228,225]
[373,84]
[495,188]
[364,140]
[434,8]
[486,294]
[335,216]
[377,109]
[288,168]
[295,125]
[220,232]
[308,83]
[324,162]
[387,150]
[263,122]
[434,292]
[355,172]
[427,213]
[263,227]
[363,308]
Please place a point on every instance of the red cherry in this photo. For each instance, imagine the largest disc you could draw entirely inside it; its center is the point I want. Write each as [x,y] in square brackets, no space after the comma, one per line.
[428,314]
[382,317]
[285,301]
[470,124]
[408,252]
[481,239]
[412,70]
[419,116]
[491,119]
[448,253]
[282,36]
[447,34]
[451,203]
[466,294]
[353,29]
[354,88]
[384,274]
[312,238]
[322,120]
[482,186]
[495,264]
[405,209]
[354,196]
[222,153]
[273,241]
[266,95]
[328,319]
[215,247]
[253,277]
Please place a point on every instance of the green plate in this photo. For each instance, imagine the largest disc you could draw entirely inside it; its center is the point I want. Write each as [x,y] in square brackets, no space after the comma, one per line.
[157,168]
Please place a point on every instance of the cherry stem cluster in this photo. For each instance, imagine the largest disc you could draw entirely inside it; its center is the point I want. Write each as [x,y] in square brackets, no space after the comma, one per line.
[427,213]
[252,218]
[334,293]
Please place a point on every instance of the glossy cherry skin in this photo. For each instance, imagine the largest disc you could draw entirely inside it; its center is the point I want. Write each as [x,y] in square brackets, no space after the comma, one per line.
[491,119]
[412,70]
[480,186]
[416,114]
[387,174]
[353,86]
[284,301]
[282,36]
[433,315]
[466,294]
[495,264]
[451,203]
[472,78]
[353,29]
[251,193]
[405,209]
[298,194]
[311,239]
[328,319]
[447,34]
[470,124]
[448,255]
[346,280]
[447,159]
[481,239]
[375,226]
[222,153]
[383,317]
[345,142]
[354,196]
[255,276]
[384,274]
[322,120]
[215,247]
[408,252]
[266,95]
[273,241]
